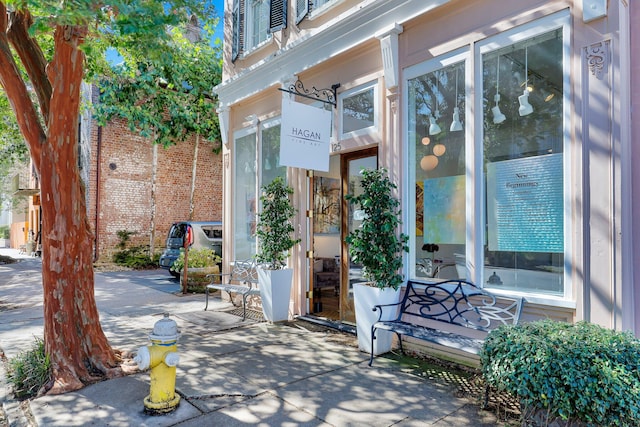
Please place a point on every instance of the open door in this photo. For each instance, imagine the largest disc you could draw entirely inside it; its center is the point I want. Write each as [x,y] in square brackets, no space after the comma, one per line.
[331,273]
[351,273]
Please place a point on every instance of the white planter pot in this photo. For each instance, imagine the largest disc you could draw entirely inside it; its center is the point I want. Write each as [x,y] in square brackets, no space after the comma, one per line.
[365,298]
[275,292]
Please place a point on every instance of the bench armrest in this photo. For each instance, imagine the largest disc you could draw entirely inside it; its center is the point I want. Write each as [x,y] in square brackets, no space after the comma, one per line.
[387,308]
[217,274]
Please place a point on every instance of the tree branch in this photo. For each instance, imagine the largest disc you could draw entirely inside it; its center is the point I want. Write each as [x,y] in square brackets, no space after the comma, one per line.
[18,95]
[31,56]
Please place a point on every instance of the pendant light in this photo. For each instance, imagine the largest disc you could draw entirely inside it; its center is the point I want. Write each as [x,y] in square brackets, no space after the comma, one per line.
[525,108]
[456,125]
[428,163]
[498,117]
[434,129]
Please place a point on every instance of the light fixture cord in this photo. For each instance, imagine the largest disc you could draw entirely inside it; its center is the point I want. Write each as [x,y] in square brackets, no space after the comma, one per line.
[435,98]
[497,80]
[456,100]
[526,67]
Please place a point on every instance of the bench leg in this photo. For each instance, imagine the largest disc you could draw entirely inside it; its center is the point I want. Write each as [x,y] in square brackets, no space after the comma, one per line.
[485,400]
[206,298]
[373,337]
[400,342]
[244,306]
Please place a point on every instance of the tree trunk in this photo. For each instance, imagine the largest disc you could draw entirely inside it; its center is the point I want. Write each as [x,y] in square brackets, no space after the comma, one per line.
[74,340]
[154,178]
[194,172]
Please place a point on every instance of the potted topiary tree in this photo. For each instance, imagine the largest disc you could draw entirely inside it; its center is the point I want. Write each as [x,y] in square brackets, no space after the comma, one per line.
[275,240]
[377,245]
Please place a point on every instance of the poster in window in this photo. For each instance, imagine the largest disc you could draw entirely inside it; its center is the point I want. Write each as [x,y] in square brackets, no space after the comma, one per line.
[525,204]
[444,210]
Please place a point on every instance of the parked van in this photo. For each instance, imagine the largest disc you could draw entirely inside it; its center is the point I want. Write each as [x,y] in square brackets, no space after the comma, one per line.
[206,234]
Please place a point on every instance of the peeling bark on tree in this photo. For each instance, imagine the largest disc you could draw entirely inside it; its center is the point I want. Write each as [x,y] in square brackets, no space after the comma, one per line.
[79,350]
[154,177]
[74,340]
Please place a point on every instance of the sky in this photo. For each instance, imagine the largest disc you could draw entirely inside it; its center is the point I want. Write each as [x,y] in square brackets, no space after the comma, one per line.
[219,5]
[114,58]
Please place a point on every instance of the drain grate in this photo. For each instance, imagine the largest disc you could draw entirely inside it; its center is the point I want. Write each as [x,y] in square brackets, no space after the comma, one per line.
[251,314]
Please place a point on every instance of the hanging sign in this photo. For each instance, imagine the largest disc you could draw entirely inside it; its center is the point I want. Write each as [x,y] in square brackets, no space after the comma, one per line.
[304,136]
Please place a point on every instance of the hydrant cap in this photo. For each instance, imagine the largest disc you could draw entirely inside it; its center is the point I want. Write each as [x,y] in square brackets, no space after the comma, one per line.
[165,329]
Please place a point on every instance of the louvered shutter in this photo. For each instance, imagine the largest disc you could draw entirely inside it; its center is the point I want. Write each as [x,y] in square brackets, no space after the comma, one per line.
[236,18]
[277,15]
[302,8]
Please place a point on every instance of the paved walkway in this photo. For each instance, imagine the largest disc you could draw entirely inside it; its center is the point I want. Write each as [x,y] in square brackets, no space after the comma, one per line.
[231,373]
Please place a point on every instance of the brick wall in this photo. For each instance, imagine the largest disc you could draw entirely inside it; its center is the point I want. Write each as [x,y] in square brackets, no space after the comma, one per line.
[121,182]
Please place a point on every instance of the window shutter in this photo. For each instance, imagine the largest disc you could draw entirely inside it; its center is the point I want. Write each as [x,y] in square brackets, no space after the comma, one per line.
[302,8]
[277,15]
[236,17]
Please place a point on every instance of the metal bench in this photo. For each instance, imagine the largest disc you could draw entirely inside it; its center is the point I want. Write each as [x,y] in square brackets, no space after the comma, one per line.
[242,280]
[454,302]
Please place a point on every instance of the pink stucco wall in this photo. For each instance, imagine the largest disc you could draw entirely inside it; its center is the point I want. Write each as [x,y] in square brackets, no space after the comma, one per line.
[634,17]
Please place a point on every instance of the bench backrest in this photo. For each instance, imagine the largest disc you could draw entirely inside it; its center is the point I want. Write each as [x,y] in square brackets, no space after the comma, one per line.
[461,303]
[244,271]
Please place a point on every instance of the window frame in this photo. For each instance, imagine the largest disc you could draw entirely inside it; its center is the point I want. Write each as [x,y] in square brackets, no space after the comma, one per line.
[315,10]
[248,25]
[474,153]
[237,135]
[443,61]
[560,20]
[369,130]
[256,130]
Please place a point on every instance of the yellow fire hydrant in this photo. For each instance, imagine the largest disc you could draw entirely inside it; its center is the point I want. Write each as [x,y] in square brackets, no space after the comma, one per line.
[162,357]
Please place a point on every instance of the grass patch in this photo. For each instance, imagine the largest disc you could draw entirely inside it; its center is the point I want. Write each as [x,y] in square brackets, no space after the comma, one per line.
[29,371]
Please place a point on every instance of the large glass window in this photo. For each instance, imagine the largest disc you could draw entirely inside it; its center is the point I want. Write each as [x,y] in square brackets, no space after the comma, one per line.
[245,200]
[257,22]
[270,152]
[253,163]
[523,165]
[436,112]
[488,192]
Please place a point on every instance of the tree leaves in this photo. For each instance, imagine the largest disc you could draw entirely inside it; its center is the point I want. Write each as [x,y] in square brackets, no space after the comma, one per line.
[376,244]
[166,95]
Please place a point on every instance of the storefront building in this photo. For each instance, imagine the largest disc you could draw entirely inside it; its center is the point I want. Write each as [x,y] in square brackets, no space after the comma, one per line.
[507,125]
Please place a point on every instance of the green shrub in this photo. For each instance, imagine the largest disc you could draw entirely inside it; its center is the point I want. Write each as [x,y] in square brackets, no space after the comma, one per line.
[198,258]
[123,238]
[376,243]
[29,371]
[275,228]
[136,257]
[4,232]
[580,372]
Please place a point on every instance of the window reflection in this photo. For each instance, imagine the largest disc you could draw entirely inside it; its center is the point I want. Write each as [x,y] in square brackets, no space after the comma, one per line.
[437,120]
[523,165]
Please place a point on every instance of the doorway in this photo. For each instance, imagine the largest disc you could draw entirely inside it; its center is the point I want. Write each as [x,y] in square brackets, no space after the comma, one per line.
[333,274]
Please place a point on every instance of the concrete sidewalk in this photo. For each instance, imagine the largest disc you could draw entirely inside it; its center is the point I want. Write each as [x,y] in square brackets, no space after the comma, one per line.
[231,372]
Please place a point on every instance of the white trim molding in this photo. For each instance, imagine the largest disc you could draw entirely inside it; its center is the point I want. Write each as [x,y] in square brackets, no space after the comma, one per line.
[593,9]
[389,47]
